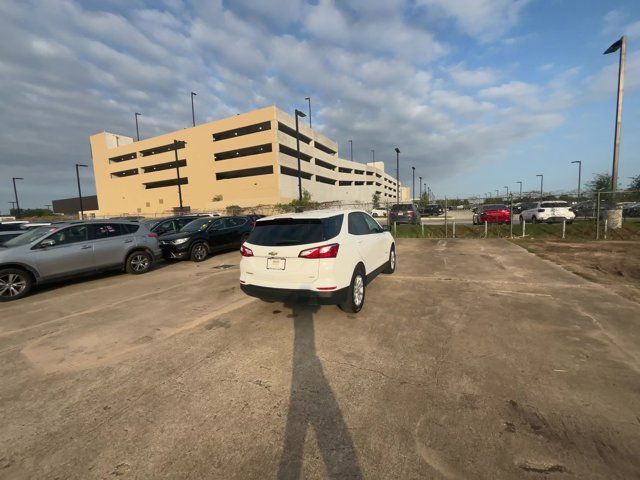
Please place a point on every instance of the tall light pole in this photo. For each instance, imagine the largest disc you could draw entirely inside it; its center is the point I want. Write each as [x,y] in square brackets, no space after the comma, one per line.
[308,99]
[507,190]
[622,46]
[373,155]
[79,190]
[175,152]
[397,176]
[49,207]
[15,192]
[413,181]
[137,130]
[298,114]
[541,180]
[520,182]
[351,147]
[579,162]
[193,112]
[420,185]
[497,193]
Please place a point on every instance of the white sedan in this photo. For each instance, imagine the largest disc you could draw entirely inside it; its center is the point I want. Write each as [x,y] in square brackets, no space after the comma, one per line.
[324,257]
[549,211]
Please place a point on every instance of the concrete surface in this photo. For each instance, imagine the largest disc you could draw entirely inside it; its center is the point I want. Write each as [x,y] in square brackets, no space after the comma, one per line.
[475,360]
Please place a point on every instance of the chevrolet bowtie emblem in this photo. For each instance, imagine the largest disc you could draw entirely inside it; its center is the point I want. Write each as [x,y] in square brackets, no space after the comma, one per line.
[273,253]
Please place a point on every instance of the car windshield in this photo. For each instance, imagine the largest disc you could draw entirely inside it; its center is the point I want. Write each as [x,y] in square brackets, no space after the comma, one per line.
[554,204]
[402,206]
[197,225]
[29,236]
[295,231]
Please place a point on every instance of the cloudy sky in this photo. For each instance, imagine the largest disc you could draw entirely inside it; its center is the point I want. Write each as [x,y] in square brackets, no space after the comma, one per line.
[477,93]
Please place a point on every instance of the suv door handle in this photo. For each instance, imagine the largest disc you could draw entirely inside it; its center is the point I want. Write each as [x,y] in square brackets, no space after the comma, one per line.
[128,241]
[85,247]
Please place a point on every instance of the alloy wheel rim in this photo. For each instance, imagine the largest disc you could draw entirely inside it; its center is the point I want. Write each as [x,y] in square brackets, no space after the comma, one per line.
[200,252]
[358,290]
[393,259]
[139,263]
[12,285]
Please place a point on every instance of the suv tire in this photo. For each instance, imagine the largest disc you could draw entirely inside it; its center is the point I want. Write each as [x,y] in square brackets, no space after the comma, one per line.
[15,283]
[199,252]
[534,220]
[138,262]
[356,292]
[390,267]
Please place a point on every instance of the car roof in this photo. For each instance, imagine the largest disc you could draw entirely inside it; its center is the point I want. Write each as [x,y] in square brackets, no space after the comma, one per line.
[311,214]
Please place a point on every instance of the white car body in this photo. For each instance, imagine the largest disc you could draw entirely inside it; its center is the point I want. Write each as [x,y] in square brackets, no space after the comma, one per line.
[281,272]
[548,211]
[379,212]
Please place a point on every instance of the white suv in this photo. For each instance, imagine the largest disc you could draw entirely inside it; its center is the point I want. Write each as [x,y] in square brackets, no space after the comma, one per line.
[549,211]
[324,257]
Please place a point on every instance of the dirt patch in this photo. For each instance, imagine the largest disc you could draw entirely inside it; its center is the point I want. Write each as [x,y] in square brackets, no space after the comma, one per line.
[614,264]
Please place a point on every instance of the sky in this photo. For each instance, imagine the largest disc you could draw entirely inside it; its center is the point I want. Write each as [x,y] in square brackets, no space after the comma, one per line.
[477,94]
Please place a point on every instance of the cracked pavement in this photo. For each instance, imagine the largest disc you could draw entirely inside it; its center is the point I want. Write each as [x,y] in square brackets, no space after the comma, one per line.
[476,360]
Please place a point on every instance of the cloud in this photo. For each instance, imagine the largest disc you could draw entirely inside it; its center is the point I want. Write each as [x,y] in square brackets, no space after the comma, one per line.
[486,20]
[71,69]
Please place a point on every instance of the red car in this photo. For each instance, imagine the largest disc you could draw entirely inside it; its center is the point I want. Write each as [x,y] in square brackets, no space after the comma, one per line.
[492,214]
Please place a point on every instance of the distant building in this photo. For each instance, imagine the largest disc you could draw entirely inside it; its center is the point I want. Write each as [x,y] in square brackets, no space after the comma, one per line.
[71,206]
[246,160]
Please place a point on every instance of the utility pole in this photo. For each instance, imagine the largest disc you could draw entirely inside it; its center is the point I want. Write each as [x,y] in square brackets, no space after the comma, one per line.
[308,99]
[622,46]
[175,151]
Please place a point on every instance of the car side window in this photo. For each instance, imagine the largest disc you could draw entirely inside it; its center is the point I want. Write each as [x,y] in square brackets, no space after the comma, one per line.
[181,222]
[374,227]
[75,234]
[166,226]
[106,230]
[217,225]
[357,224]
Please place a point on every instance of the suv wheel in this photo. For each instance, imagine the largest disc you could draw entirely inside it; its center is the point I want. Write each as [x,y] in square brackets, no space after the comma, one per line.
[391,263]
[199,252]
[356,292]
[521,220]
[138,263]
[14,284]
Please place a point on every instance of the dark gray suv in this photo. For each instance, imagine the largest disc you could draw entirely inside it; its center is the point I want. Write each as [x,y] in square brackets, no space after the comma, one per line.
[71,249]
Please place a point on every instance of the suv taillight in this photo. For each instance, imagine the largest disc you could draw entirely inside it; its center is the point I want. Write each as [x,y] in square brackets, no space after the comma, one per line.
[153,235]
[246,252]
[326,251]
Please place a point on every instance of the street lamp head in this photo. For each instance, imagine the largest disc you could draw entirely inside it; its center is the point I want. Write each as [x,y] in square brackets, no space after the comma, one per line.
[577,161]
[81,165]
[138,114]
[307,98]
[194,93]
[18,178]
[413,168]
[397,150]
[615,46]
[300,114]
[540,175]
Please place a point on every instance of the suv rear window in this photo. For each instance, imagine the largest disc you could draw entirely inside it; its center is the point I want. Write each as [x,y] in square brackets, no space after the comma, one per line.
[402,206]
[554,204]
[295,231]
[494,207]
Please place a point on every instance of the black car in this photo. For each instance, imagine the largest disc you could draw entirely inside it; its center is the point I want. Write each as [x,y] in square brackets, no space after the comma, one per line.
[432,210]
[205,235]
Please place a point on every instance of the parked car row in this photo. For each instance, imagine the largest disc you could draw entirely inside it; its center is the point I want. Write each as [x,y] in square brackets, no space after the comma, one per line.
[68,249]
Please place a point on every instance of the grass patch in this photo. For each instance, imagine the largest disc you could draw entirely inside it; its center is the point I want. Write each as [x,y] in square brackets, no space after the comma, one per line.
[577,231]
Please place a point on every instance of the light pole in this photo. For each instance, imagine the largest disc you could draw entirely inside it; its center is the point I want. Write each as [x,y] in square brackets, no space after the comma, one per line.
[15,192]
[175,151]
[622,46]
[507,190]
[193,112]
[520,182]
[308,99]
[373,155]
[298,114]
[541,180]
[79,190]
[397,176]
[497,193]
[579,162]
[420,186]
[137,130]
[49,207]
[351,146]
[413,182]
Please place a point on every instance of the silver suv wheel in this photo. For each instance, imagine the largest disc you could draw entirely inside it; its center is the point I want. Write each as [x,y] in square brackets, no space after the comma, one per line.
[12,284]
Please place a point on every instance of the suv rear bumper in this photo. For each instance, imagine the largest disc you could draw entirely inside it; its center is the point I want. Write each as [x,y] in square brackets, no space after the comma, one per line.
[313,297]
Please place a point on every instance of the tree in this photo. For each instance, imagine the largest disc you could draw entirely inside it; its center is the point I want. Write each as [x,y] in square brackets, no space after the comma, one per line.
[234,210]
[600,181]
[424,200]
[635,183]
[375,199]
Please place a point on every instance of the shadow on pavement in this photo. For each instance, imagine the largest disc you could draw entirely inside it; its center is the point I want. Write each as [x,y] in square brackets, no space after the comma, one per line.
[312,403]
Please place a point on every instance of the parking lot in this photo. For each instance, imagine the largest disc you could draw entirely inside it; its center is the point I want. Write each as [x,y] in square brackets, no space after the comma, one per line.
[476,359]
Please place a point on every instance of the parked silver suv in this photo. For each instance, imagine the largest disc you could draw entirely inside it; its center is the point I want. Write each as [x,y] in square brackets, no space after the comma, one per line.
[71,249]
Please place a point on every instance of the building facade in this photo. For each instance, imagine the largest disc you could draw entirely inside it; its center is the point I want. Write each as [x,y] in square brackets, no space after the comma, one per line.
[248,160]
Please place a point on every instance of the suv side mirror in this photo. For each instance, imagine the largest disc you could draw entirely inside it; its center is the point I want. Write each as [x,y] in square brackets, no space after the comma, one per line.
[385,228]
[47,243]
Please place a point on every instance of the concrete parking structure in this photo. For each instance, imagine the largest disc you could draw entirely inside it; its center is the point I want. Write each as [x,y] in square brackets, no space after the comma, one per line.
[476,359]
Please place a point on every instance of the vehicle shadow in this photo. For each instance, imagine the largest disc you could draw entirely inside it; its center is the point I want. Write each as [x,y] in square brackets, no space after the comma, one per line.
[312,403]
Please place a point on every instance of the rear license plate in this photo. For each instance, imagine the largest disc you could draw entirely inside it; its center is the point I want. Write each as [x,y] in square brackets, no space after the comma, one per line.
[276,263]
